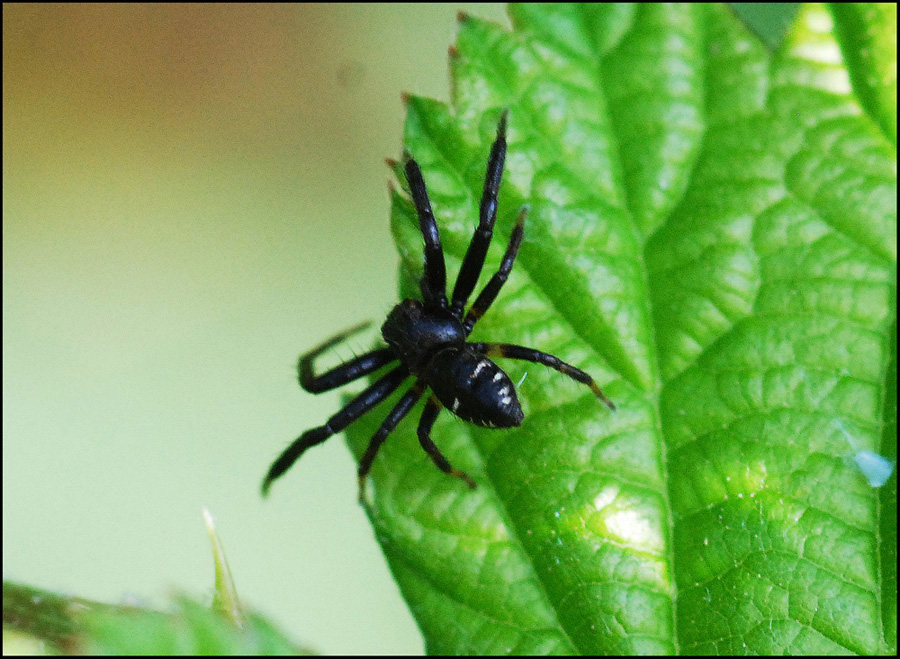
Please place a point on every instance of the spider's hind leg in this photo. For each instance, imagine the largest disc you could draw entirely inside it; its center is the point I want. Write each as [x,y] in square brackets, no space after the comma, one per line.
[429,415]
[401,409]
[368,399]
[509,351]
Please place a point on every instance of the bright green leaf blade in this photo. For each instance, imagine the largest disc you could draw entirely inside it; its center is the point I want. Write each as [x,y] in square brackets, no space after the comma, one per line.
[868,35]
[72,625]
[713,238]
[770,21]
[192,629]
[888,502]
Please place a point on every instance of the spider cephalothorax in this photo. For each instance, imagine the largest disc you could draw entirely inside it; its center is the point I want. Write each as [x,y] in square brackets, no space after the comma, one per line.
[428,339]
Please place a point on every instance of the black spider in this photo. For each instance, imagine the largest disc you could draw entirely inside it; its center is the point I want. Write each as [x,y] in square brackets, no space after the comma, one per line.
[428,338]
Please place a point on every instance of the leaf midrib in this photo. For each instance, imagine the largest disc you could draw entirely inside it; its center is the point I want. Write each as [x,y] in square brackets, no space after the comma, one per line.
[527,266]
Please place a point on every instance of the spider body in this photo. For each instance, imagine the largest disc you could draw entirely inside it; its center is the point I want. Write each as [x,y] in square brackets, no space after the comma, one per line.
[429,340]
[416,333]
[431,343]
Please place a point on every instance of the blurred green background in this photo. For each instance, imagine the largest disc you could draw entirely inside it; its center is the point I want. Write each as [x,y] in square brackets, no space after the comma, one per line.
[192,196]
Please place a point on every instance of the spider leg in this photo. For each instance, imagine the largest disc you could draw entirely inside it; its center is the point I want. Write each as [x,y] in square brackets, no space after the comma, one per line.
[494,350]
[492,288]
[429,415]
[401,409]
[434,283]
[344,373]
[364,402]
[474,259]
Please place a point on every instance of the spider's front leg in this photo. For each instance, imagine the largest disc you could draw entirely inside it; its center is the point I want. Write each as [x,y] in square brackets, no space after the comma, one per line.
[473,261]
[435,282]
[368,399]
[429,415]
[489,293]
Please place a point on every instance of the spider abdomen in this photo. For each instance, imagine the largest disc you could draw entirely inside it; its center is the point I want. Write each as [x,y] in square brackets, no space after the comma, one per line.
[474,388]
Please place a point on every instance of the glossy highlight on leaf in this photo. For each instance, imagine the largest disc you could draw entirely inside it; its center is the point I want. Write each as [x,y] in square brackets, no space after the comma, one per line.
[712,237]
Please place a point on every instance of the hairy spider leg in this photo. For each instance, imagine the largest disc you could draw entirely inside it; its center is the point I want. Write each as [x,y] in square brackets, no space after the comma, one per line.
[489,293]
[473,261]
[434,284]
[377,392]
[494,350]
[426,421]
[401,409]
[344,373]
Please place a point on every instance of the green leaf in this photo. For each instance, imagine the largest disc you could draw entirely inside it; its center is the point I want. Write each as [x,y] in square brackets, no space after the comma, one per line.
[769,21]
[71,625]
[192,629]
[868,36]
[39,621]
[713,237]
